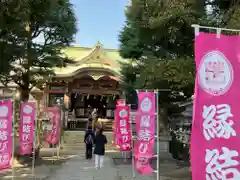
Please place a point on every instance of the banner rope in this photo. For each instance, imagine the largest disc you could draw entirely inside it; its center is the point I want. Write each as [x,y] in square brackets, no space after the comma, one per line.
[215,28]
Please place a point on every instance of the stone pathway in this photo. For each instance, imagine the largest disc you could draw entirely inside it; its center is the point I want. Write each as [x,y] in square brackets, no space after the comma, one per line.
[79,168]
[169,170]
[45,167]
[125,172]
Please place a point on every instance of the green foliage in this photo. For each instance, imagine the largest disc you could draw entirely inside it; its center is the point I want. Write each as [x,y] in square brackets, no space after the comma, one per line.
[32,34]
[158,39]
[164,27]
[130,44]
[180,75]
[230,12]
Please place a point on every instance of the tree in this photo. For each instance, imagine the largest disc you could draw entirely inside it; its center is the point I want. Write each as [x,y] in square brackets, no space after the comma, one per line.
[228,13]
[158,37]
[158,40]
[32,34]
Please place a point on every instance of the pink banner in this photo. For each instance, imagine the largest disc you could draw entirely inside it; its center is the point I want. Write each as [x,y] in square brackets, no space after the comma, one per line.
[147,103]
[27,123]
[123,133]
[5,134]
[145,129]
[215,150]
[53,136]
[121,102]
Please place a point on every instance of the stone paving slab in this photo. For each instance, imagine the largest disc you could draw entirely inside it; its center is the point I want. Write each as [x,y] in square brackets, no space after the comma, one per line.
[43,169]
[126,173]
[169,170]
[79,168]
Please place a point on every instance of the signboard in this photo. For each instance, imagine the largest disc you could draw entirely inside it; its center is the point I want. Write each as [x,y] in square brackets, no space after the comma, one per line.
[215,137]
[27,123]
[122,128]
[145,130]
[6,134]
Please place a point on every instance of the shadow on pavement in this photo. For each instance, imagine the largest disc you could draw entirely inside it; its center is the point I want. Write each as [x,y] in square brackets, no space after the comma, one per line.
[172,169]
[44,167]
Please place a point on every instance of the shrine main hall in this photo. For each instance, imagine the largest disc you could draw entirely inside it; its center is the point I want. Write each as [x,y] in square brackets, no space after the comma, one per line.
[92,81]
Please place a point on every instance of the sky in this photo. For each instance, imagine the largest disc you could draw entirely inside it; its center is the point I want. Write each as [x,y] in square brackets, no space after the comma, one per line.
[99,20]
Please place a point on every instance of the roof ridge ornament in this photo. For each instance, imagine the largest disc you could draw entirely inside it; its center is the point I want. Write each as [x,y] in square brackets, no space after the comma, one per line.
[98,45]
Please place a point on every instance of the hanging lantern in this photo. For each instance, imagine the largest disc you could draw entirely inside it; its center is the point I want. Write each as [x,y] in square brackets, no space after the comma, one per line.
[66,99]
[82,98]
[76,95]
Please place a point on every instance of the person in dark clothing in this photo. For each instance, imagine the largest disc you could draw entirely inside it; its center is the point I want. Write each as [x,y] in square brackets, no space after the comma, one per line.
[89,141]
[99,150]
[90,123]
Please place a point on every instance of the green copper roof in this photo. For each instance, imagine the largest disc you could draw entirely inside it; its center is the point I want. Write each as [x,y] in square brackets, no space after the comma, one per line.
[95,58]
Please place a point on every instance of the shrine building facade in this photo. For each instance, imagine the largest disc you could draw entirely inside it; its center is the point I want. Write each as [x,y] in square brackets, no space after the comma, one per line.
[92,81]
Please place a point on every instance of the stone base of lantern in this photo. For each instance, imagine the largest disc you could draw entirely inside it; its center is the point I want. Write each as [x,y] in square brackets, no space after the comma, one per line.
[164,153]
[165,157]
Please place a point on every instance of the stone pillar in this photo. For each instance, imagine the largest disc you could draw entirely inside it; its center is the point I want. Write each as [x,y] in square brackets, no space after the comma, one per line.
[165,158]
[164,136]
[164,153]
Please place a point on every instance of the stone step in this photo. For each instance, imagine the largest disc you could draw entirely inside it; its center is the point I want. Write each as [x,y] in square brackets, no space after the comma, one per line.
[83,148]
[80,145]
[75,141]
[75,135]
[74,145]
[80,135]
[72,141]
[78,125]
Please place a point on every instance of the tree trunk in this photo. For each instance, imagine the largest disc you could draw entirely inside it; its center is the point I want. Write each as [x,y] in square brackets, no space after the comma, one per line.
[163,120]
[25,81]
[24,93]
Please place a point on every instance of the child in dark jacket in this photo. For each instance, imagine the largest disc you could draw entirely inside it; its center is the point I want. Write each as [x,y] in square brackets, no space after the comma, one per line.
[89,142]
[99,150]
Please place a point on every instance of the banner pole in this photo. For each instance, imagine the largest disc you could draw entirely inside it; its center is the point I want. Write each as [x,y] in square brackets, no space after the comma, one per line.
[125,156]
[131,126]
[61,130]
[13,139]
[158,143]
[215,28]
[34,142]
